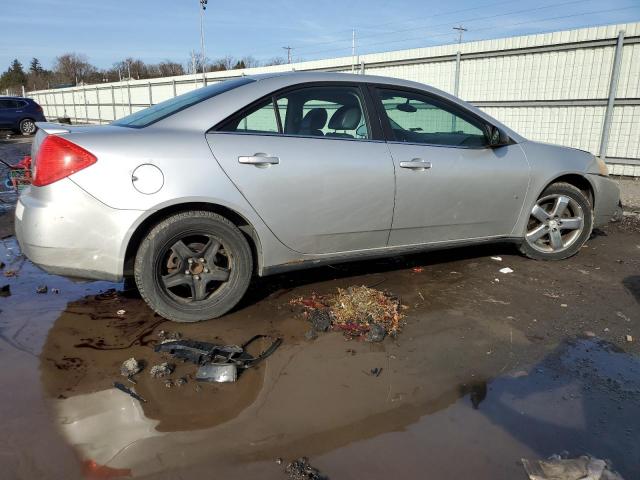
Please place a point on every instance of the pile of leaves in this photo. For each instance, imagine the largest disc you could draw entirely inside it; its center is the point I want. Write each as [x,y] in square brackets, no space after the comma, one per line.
[356,311]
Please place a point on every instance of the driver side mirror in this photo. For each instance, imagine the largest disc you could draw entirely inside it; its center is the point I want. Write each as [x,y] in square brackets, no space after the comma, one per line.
[497,137]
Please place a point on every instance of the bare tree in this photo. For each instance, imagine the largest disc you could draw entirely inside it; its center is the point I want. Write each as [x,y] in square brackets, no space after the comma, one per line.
[169,69]
[275,61]
[73,68]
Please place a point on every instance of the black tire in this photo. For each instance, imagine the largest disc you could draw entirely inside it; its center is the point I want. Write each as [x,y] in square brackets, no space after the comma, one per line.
[162,261]
[27,127]
[578,206]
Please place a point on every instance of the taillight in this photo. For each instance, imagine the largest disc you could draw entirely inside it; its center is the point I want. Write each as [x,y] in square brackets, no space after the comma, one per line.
[58,158]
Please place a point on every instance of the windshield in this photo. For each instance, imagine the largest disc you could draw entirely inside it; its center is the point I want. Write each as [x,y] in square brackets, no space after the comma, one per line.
[164,109]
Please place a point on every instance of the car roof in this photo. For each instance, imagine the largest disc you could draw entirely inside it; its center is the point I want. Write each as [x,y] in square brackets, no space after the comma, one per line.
[8,97]
[306,76]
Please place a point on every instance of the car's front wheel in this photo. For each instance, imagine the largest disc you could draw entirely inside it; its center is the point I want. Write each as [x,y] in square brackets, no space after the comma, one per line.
[193,266]
[559,223]
[27,127]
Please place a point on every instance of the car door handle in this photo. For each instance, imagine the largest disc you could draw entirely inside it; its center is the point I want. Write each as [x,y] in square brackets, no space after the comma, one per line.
[416,164]
[259,160]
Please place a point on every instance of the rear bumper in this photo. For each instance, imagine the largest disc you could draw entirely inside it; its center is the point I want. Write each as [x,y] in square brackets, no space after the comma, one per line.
[607,199]
[66,231]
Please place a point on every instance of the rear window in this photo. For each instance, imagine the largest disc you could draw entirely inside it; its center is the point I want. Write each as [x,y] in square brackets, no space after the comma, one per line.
[164,109]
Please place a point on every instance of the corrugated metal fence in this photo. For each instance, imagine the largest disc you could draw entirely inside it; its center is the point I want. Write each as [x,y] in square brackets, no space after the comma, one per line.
[579,88]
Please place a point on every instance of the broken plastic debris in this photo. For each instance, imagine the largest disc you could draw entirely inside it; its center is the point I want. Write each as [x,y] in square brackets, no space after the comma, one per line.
[497,259]
[629,338]
[217,373]
[128,391]
[301,469]
[506,270]
[162,370]
[130,367]
[121,312]
[559,468]
[42,289]
[417,269]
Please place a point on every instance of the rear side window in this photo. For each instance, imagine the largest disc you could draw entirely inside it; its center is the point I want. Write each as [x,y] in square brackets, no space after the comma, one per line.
[7,103]
[416,118]
[261,119]
[324,111]
[167,108]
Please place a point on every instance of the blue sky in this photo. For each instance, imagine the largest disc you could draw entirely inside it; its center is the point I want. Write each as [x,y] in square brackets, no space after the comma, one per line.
[109,30]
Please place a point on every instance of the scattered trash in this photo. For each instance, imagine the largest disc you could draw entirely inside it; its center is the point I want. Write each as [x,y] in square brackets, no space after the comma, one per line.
[165,336]
[218,363]
[2,265]
[564,305]
[161,370]
[130,367]
[355,311]
[5,291]
[589,333]
[376,333]
[301,469]
[376,371]
[55,290]
[506,270]
[217,372]
[628,338]
[606,329]
[559,468]
[10,273]
[320,319]
[42,289]
[179,382]
[121,312]
[623,316]
[417,269]
[497,259]
[128,391]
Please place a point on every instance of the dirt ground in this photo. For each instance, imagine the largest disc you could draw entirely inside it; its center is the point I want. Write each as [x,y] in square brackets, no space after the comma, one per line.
[490,368]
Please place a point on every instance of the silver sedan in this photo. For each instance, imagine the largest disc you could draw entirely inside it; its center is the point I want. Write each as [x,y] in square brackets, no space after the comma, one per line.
[258,175]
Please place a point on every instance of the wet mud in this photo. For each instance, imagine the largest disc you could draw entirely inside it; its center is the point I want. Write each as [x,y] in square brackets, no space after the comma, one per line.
[489,367]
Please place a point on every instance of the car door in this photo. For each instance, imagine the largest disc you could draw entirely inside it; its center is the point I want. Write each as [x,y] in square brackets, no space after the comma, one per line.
[449,184]
[309,163]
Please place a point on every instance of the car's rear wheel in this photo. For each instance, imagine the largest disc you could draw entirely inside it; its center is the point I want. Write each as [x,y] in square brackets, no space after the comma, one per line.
[193,266]
[27,126]
[559,223]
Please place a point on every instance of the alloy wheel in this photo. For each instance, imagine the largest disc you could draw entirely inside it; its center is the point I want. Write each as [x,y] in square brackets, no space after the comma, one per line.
[555,224]
[193,268]
[27,127]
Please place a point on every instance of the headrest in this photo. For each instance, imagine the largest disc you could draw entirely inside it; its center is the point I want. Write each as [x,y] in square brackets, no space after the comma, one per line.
[346,118]
[314,119]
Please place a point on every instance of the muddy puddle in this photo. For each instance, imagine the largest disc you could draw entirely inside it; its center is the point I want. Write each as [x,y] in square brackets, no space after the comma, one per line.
[479,378]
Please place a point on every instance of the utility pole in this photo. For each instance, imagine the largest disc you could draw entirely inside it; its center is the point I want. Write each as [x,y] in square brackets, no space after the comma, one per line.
[353,51]
[203,5]
[288,49]
[460,30]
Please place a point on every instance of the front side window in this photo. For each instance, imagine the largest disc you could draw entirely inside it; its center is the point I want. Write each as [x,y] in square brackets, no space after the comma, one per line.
[416,118]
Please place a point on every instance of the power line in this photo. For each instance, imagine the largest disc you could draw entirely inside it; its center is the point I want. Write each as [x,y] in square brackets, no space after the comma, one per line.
[468,20]
[369,27]
[387,42]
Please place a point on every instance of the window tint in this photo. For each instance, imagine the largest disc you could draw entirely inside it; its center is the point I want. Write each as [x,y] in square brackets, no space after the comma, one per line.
[332,111]
[261,119]
[164,109]
[416,118]
[6,103]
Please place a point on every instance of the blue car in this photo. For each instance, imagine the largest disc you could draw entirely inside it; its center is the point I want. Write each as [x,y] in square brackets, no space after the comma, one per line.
[20,114]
